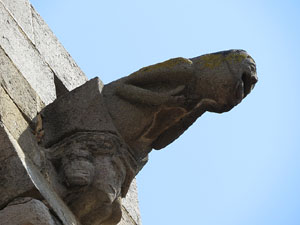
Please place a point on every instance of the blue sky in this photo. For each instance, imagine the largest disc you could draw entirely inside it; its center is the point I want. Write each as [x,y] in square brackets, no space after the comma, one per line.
[237,168]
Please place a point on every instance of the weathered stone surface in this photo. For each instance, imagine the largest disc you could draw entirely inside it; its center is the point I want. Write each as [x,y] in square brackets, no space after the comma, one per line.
[18,172]
[18,88]
[14,180]
[17,96]
[93,162]
[55,54]
[95,141]
[158,103]
[20,177]
[21,11]
[80,110]
[42,185]
[11,116]
[127,219]
[94,168]
[30,58]
[27,211]
[150,109]
[26,57]
[131,204]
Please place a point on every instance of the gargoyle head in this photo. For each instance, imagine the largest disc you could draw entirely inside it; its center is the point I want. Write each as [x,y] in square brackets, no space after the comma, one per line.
[225,78]
[94,169]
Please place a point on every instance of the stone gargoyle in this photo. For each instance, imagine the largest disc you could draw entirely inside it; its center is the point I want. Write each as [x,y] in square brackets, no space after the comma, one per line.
[98,137]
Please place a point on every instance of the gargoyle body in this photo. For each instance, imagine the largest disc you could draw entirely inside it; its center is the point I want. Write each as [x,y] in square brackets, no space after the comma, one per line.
[155,105]
[98,138]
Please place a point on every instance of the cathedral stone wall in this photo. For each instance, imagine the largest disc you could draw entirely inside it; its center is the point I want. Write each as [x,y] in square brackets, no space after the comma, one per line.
[35,69]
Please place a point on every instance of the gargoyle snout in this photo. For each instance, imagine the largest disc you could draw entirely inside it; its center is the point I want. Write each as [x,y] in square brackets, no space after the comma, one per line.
[248,79]
[249,76]
[254,79]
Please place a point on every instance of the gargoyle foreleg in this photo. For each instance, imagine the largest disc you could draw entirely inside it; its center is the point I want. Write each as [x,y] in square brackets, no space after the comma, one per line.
[144,96]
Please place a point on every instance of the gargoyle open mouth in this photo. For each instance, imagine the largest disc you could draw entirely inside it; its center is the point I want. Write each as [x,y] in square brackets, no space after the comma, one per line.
[245,85]
[246,78]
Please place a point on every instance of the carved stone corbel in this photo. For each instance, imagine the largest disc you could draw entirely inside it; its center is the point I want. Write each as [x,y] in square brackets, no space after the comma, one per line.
[98,138]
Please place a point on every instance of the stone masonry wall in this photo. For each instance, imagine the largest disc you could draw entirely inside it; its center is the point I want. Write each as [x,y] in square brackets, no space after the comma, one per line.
[35,69]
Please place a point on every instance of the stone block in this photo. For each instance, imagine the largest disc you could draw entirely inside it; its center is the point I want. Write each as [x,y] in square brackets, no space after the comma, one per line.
[18,88]
[11,116]
[14,180]
[26,57]
[21,12]
[27,211]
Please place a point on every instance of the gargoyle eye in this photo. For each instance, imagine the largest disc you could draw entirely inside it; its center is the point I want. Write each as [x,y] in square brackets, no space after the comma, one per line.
[252,67]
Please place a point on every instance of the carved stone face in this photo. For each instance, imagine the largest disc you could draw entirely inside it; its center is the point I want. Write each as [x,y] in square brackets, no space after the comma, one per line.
[225,77]
[90,167]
